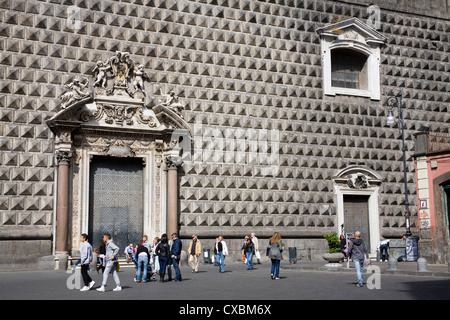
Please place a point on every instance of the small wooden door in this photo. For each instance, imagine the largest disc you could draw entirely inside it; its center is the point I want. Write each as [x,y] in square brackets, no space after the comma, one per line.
[356,216]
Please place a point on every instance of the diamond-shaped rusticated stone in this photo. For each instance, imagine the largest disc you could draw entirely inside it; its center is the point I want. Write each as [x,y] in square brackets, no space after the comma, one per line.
[261,220]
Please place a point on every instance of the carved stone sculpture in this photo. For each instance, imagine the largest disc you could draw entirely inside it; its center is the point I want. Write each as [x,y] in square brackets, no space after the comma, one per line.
[358,181]
[173,103]
[139,76]
[128,77]
[100,73]
[77,92]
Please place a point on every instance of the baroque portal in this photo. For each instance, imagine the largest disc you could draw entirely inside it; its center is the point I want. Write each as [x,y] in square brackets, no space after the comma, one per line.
[101,121]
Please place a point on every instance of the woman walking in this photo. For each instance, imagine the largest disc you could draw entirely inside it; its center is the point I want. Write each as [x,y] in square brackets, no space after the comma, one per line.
[249,250]
[275,255]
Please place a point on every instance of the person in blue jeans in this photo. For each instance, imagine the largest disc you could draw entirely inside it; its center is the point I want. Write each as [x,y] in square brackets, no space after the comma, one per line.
[142,257]
[222,252]
[275,255]
[249,250]
[357,250]
[162,250]
[175,254]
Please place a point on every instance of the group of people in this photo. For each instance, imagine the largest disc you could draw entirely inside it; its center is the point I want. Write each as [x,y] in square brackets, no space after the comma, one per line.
[165,253]
[250,248]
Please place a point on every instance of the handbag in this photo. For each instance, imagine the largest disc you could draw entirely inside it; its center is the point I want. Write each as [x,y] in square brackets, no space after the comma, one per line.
[117,266]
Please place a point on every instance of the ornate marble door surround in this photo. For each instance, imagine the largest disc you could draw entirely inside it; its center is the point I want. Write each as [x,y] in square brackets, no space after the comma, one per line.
[110,118]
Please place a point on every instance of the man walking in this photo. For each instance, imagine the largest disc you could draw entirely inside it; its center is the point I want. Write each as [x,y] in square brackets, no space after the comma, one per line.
[175,254]
[111,260]
[222,252]
[85,260]
[194,251]
[357,249]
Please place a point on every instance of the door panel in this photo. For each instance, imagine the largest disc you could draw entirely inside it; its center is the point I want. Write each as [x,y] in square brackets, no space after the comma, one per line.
[447,205]
[116,200]
[356,215]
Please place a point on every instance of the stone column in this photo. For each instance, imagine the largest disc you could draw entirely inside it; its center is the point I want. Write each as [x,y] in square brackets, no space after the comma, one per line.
[62,204]
[172,163]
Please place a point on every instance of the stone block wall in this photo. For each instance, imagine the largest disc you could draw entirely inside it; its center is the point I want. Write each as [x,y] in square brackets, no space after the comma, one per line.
[235,64]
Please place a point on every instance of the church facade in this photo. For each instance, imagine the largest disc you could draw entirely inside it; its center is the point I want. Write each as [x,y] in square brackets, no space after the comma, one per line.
[217,117]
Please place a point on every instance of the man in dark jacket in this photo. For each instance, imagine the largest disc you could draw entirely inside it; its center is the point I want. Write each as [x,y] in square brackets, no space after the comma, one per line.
[175,254]
[357,249]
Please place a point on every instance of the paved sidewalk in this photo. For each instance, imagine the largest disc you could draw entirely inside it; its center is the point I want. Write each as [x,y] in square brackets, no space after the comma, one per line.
[403,268]
[304,280]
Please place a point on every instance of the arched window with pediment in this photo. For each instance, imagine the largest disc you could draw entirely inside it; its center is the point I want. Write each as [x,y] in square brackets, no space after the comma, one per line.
[351,59]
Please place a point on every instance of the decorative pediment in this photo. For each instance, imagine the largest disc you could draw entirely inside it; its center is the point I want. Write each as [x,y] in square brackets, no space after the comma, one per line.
[352,30]
[116,101]
[356,177]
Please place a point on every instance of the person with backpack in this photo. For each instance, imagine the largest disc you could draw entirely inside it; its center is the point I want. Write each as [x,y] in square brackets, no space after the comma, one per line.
[357,250]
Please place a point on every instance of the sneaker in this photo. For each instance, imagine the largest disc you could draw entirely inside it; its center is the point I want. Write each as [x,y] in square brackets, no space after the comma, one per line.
[118,288]
[101,289]
[359,285]
[85,288]
[271,276]
[91,284]
[277,278]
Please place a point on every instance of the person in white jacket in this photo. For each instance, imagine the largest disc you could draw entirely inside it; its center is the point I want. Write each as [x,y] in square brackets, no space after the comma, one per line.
[85,260]
[222,252]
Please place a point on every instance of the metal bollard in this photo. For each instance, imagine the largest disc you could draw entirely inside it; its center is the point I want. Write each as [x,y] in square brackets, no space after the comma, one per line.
[422,265]
[292,255]
[393,264]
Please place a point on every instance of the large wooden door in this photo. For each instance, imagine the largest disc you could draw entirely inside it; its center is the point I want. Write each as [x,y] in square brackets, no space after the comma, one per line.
[356,216]
[116,200]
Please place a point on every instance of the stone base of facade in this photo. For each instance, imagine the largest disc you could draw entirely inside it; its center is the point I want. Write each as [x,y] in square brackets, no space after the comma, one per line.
[23,254]
[433,251]
[307,249]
